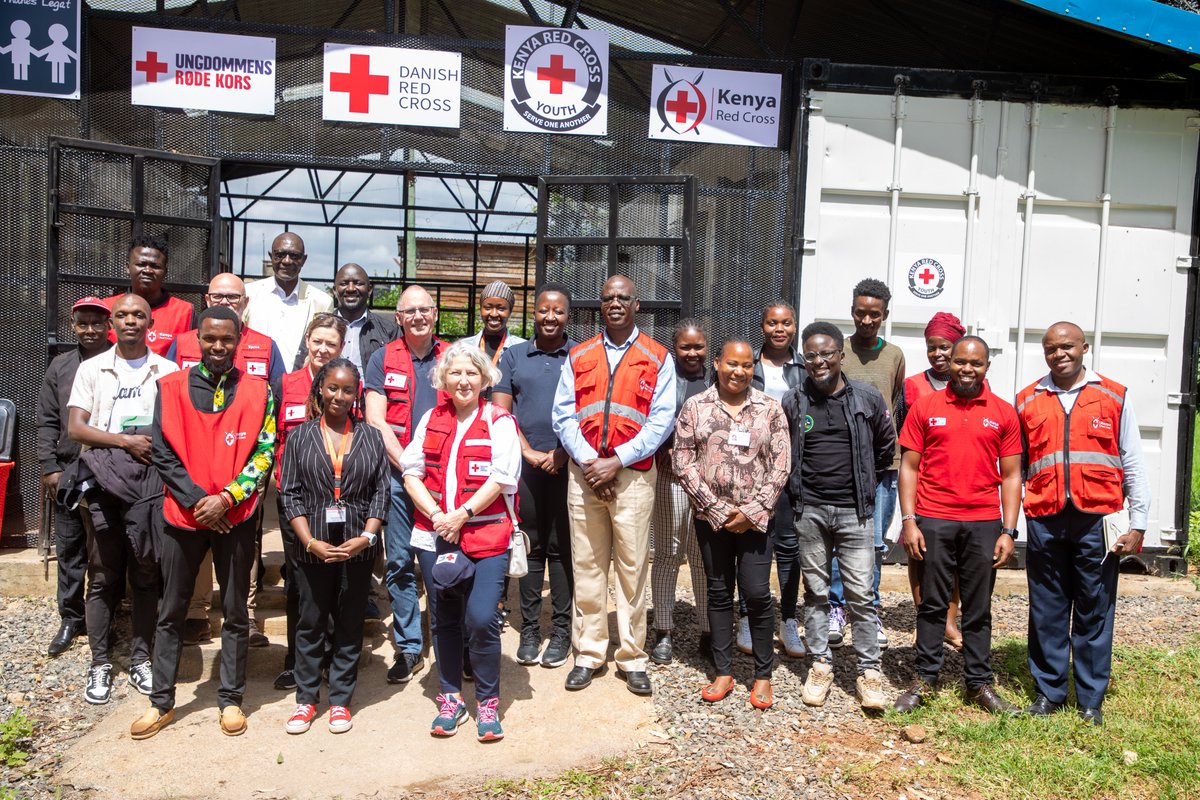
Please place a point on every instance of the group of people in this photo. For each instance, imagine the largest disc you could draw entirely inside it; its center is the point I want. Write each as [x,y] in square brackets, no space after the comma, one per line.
[394,454]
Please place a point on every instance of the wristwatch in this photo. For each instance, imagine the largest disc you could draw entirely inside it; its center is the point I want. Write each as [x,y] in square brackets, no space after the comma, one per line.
[1013,532]
[372,538]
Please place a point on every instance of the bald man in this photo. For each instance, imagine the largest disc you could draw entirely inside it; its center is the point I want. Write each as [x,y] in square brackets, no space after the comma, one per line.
[1083,460]
[282,306]
[399,392]
[111,408]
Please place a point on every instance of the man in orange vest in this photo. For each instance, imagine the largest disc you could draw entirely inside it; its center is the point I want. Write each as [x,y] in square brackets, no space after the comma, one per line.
[147,265]
[213,443]
[256,354]
[1083,460]
[613,408]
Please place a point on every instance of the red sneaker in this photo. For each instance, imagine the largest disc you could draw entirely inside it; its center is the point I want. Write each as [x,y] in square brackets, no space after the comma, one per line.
[339,719]
[301,719]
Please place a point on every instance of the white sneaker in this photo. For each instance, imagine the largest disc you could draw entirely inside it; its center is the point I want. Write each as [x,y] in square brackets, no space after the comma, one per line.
[817,684]
[883,637]
[99,685]
[837,625]
[744,644]
[789,637]
[141,677]
[870,691]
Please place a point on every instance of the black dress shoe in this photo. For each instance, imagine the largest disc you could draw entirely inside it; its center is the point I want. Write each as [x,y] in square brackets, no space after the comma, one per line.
[1092,716]
[637,681]
[661,654]
[581,677]
[986,698]
[62,640]
[1043,707]
[914,697]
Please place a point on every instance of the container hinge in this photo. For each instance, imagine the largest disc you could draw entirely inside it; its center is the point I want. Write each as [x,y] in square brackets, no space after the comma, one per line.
[1184,399]
[810,247]
[1168,534]
[1187,263]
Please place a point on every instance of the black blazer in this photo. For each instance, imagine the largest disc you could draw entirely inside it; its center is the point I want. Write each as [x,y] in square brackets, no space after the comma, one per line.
[306,483]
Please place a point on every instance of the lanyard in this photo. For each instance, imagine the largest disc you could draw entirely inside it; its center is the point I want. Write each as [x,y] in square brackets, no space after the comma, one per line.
[499,347]
[336,459]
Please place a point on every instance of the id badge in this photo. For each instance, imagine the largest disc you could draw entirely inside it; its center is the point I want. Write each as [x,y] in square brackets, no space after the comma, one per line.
[739,438]
[335,514]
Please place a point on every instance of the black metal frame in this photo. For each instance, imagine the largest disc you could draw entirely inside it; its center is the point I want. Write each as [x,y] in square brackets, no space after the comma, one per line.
[614,240]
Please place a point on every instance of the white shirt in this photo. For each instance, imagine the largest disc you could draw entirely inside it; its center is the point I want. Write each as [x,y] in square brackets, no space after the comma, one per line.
[774,384]
[282,316]
[127,405]
[505,467]
[350,347]
[98,383]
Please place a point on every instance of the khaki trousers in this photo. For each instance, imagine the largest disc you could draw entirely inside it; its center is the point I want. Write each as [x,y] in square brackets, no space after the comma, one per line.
[616,532]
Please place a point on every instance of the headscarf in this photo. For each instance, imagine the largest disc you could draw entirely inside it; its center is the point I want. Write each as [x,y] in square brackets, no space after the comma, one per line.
[498,289]
[945,325]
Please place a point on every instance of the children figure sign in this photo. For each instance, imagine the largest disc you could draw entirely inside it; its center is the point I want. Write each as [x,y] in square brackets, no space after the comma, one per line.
[39,48]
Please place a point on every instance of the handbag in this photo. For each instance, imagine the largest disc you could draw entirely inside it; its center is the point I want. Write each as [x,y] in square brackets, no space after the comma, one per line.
[518,552]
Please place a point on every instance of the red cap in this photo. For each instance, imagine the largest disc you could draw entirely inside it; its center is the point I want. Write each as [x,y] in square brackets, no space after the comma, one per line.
[93,303]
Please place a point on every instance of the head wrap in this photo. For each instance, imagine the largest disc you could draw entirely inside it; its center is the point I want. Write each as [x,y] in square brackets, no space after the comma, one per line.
[497,289]
[945,325]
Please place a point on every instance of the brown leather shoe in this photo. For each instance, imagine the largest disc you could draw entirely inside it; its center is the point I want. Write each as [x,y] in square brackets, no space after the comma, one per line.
[986,698]
[150,723]
[233,721]
[914,697]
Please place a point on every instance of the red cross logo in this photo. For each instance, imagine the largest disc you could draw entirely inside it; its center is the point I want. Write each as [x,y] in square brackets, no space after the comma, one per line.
[926,275]
[152,67]
[682,106]
[556,74]
[359,83]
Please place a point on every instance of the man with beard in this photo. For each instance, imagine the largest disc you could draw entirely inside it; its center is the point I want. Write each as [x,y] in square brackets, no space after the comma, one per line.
[1083,460]
[842,440]
[958,446]
[366,331]
[613,408]
[147,265]
[281,306]
[214,438]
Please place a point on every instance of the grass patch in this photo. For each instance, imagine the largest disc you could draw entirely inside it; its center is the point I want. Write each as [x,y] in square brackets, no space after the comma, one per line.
[599,782]
[1150,711]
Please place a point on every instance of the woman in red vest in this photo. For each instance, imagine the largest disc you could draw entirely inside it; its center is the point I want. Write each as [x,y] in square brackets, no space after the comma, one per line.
[323,339]
[461,470]
[334,489]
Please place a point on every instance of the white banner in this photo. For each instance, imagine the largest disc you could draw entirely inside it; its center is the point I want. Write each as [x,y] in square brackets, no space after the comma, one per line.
[556,80]
[210,71]
[392,86]
[691,104]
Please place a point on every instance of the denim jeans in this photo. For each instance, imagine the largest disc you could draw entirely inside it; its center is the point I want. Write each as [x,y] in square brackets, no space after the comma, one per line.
[820,530]
[401,574]
[886,493]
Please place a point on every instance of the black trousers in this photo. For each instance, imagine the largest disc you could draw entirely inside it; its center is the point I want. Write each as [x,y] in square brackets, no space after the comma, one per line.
[339,590]
[182,550]
[71,551]
[545,519]
[743,559]
[110,558]
[291,592]
[963,549]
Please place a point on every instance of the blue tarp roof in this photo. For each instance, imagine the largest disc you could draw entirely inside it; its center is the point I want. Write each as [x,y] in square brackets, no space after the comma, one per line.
[1145,20]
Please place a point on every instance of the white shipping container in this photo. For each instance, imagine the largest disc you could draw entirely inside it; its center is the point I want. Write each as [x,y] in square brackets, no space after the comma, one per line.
[921,191]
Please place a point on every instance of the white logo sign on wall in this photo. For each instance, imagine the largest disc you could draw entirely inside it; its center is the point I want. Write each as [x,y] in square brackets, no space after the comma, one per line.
[715,105]
[392,86]
[926,282]
[556,80]
[209,71]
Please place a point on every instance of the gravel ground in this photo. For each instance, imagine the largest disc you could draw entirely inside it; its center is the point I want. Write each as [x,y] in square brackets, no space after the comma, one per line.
[695,750]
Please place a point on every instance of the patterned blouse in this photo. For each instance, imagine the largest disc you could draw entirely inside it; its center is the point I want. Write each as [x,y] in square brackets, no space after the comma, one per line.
[727,464]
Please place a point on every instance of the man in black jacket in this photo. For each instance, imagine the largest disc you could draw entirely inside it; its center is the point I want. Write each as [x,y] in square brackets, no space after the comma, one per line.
[842,439]
[366,331]
[56,451]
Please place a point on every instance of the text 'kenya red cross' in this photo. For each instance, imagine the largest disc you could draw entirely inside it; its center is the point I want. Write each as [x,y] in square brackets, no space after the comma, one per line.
[926,275]
[359,83]
[682,106]
[151,66]
[556,74]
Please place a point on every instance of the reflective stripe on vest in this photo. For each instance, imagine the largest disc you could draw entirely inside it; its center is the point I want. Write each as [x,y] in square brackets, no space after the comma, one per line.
[398,377]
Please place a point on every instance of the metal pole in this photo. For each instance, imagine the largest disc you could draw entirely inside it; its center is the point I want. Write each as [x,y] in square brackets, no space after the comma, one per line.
[972,198]
[1110,134]
[894,188]
[1027,239]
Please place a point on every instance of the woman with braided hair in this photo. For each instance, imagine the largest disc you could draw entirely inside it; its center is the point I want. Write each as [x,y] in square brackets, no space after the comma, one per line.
[334,490]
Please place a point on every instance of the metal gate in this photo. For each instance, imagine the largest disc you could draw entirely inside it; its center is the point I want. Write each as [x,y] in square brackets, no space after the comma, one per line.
[591,227]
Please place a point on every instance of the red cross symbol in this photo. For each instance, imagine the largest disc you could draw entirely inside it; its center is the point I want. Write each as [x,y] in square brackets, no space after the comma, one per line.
[682,106]
[151,66]
[359,83]
[556,74]
[926,276]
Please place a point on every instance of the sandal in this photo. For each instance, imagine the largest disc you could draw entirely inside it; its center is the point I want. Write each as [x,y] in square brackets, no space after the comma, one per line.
[761,696]
[715,692]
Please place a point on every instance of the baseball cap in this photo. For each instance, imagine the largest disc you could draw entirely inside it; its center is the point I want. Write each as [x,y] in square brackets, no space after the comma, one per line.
[451,568]
[91,303]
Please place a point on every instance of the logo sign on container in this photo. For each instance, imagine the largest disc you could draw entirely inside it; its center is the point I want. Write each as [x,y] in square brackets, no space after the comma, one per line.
[39,48]
[927,282]
[392,86]
[715,105]
[210,71]
[556,80]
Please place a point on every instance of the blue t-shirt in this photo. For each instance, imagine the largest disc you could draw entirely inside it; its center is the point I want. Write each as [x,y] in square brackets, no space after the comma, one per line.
[531,376]
[424,396]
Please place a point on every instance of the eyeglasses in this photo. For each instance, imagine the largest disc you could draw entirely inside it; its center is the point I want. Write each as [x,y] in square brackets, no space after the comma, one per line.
[284,255]
[409,313]
[623,299]
[824,355]
[225,298]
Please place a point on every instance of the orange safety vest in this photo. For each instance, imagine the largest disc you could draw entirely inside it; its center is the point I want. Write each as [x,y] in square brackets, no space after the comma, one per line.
[612,409]
[1073,458]
[253,354]
[398,375]
[488,532]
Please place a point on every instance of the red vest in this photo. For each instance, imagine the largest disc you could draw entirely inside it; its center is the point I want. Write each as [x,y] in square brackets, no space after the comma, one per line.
[214,447]
[253,354]
[171,319]
[1073,457]
[611,417]
[489,532]
[398,376]
[916,387]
